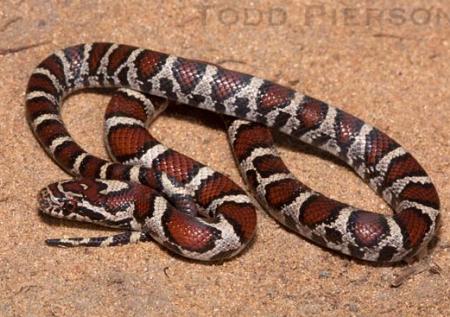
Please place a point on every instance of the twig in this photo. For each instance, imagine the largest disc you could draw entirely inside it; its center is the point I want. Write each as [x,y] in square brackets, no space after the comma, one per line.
[234,61]
[392,36]
[6,51]
[8,23]
[165,270]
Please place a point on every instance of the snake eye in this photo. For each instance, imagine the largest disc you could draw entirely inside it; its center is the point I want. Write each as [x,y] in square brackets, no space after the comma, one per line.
[70,205]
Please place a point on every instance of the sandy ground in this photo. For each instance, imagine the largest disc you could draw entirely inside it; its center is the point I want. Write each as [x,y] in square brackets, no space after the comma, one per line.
[388,64]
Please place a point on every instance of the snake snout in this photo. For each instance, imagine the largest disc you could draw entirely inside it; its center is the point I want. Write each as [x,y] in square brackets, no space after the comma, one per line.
[48,203]
[44,200]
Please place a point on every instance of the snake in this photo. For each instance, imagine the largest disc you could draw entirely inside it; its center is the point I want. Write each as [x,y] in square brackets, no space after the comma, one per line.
[151,192]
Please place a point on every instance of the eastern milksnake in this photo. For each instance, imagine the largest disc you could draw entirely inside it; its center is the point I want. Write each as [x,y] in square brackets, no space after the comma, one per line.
[209,217]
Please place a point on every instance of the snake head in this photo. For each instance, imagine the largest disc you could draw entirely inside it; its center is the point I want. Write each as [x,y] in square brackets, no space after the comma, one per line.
[63,199]
[94,200]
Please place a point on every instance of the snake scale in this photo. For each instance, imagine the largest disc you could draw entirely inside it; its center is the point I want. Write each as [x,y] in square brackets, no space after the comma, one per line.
[152,192]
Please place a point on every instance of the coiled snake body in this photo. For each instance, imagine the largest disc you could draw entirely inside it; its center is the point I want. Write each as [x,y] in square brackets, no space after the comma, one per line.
[155,192]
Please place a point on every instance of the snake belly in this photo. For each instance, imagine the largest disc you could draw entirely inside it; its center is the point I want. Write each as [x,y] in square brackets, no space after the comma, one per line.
[388,168]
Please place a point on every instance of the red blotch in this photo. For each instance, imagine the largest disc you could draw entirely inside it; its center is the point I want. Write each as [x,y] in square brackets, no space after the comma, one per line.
[95,56]
[118,171]
[39,105]
[403,167]
[227,83]
[248,137]
[176,165]
[91,190]
[41,82]
[128,140]
[118,56]
[421,193]
[142,196]
[51,130]
[348,127]
[53,64]
[127,106]
[367,227]
[188,233]
[270,165]
[187,74]
[276,95]
[91,167]
[215,187]
[282,192]
[319,209]
[415,224]
[243,215]
[66,154]
[148,63]
[311,113]
[378,145]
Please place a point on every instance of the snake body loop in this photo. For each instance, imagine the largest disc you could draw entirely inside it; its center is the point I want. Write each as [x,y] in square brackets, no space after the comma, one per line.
[193,210]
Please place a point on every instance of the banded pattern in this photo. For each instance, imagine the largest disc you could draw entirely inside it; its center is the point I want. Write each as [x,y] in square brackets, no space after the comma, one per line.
[359,233]
[388,168]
